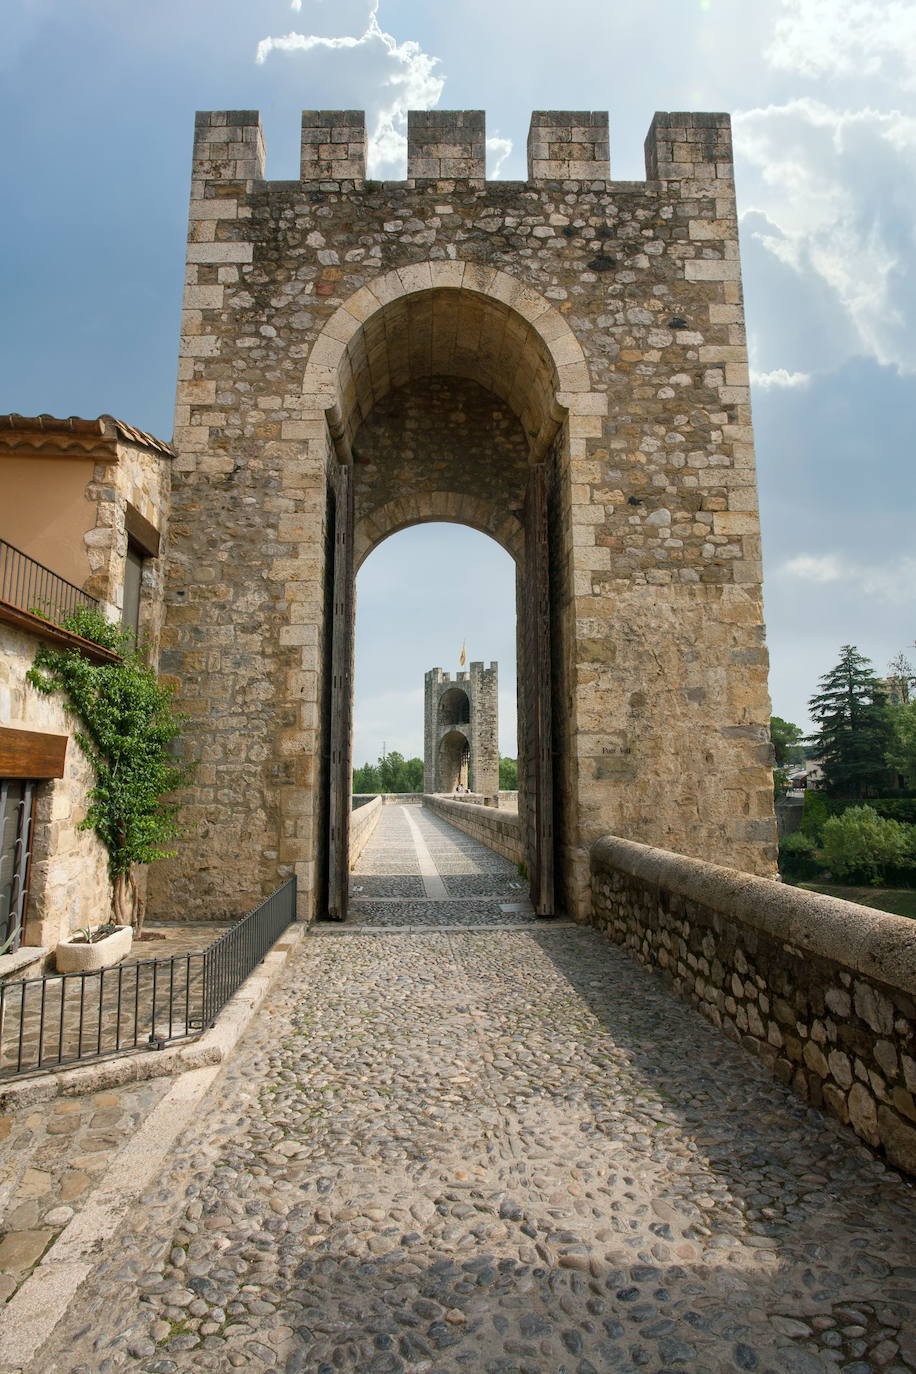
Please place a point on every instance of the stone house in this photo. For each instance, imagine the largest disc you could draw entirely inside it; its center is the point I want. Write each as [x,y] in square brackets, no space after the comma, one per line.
[83,510]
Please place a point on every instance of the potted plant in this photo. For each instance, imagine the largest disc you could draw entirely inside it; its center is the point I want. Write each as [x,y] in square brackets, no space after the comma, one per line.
[94,947]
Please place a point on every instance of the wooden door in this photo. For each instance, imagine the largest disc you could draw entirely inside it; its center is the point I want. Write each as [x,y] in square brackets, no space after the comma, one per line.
[537,697]
[341,689]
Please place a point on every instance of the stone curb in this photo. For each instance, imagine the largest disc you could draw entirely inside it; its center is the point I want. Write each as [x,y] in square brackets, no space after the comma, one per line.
[212,1047]
[35,1310]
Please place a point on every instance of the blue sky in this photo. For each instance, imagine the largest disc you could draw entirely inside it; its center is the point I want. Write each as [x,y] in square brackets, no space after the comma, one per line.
[97,97]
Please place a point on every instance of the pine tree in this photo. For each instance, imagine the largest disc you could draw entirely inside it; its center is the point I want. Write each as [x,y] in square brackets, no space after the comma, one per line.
[854,724]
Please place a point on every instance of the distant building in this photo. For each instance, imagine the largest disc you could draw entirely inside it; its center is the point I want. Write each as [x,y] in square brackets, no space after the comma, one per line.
[461,739]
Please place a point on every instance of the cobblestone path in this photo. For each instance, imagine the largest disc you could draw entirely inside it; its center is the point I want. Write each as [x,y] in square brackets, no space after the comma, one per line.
[464,1140]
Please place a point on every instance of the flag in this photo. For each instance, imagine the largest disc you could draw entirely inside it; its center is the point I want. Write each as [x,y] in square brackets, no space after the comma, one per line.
[463,656]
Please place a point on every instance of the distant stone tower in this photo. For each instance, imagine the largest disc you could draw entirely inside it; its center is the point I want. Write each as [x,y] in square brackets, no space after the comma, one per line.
[461,739]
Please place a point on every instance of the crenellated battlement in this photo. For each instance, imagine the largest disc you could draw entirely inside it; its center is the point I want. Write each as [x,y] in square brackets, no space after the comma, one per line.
[450,146]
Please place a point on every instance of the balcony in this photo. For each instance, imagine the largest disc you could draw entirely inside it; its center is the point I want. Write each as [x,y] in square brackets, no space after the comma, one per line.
[34,598]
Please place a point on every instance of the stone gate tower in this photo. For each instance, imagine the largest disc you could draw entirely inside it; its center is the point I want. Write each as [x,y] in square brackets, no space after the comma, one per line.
[461,732]
[559,362]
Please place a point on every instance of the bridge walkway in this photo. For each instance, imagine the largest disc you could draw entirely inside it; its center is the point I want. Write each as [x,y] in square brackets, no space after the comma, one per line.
[461,1139]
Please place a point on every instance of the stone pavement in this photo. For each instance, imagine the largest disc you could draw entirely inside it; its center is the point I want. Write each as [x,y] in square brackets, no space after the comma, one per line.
[52,1157]
[496,1146]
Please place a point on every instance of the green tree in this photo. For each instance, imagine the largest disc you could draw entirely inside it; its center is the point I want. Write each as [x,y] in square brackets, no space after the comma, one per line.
[787,741]
[126,728]
[854,728]
[508,775]
[902,752]
[365,779]
[391,773]
[900,679]
[413,775]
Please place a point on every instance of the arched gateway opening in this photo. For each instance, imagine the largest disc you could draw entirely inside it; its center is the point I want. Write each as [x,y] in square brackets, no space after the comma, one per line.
[446,390]
[454,756]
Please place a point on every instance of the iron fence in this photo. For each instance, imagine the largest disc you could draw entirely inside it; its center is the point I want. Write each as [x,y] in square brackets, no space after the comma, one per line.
[70,1018]
[30,586]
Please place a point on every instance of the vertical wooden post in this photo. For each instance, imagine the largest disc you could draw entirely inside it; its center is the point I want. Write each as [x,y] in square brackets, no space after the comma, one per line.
[537,697]
[340,801]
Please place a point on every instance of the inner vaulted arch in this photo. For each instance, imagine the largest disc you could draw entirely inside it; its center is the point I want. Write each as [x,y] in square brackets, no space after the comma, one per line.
[445,388]
[454,707]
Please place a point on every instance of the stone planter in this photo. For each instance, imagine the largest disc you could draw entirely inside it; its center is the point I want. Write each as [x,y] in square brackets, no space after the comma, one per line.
[72,957]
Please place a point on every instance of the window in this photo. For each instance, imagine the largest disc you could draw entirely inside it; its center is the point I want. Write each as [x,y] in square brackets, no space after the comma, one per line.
[142,544]
[16,800]
[133,579]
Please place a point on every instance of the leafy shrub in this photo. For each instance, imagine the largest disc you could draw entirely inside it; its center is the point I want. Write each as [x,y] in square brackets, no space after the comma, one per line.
[126,727]
[798,856]
[818,807]
[901,809]
[862,845]
[815,811]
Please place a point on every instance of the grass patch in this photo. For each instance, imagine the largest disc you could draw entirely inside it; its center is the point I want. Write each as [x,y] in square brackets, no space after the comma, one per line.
[899,901]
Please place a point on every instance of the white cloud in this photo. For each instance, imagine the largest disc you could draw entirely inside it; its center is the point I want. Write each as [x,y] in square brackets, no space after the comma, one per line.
[402,77]
[814,568]
[830,38]
[894,581]
[779,379]
[832,194]
[498,149]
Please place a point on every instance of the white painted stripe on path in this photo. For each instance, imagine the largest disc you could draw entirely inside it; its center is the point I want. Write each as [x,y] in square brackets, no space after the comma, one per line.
[432,883]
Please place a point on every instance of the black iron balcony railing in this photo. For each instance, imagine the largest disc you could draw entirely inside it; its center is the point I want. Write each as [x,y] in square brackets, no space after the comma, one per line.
[69,1018]
[30,586]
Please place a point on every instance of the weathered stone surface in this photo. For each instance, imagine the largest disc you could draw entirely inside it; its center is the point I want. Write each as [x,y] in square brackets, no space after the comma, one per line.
[21,1249]
[69,883]
[782,956]
[898,1138]
[594,327]
[449,1146]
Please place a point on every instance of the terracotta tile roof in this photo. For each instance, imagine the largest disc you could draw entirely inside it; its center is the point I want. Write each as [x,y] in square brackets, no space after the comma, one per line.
[48,431]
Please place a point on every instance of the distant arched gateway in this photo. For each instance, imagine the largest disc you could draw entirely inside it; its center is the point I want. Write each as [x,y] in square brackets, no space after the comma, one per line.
[461,730]
[559,363]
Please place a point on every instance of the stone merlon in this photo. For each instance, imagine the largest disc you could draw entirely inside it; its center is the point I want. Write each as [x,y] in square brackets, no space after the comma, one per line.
[450,146]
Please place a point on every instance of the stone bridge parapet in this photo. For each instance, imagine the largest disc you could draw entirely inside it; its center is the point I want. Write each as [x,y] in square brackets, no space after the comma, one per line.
[498,830]
[821,990]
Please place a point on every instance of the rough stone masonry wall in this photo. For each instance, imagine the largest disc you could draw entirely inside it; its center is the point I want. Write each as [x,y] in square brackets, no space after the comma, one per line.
[69,886]
[822,991]
[495,829]
[484,776]
[616,304]
[414,443]
[142,478]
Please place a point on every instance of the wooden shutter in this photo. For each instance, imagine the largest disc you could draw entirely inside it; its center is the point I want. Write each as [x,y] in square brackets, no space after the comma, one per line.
[537,697]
